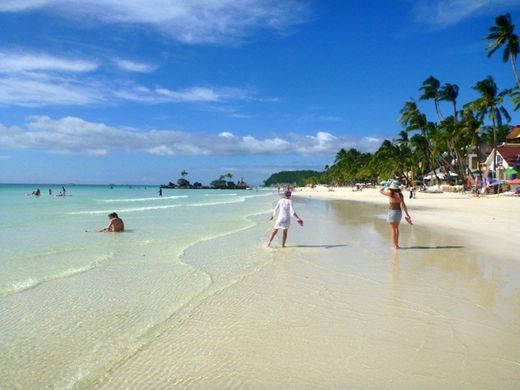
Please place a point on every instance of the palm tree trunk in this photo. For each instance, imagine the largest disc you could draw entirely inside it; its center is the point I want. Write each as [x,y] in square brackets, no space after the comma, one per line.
[513,64]
[438,110]
[495,147]
[455,111]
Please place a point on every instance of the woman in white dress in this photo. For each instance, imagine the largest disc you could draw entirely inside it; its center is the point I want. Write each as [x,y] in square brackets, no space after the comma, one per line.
[284,209]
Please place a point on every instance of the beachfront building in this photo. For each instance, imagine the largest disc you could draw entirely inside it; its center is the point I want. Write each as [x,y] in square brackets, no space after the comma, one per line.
[508,156]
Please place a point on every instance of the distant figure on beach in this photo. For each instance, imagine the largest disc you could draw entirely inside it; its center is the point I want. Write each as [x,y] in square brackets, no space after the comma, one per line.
[50,191]
[115,224]
[396,199]
[160,191]
[284,209]
[63,190]
[36,192]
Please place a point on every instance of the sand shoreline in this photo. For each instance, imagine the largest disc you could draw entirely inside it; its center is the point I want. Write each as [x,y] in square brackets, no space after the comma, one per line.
[338,308]
[487,222]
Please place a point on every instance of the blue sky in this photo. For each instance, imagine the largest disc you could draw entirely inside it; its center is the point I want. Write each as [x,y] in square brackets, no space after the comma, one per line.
[111,91]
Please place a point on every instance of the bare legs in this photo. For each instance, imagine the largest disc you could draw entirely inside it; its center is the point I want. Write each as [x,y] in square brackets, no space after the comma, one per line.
[284,236]
[394,229]
[273,233]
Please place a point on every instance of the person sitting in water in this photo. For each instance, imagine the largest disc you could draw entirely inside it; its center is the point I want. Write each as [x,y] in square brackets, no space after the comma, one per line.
[115,224]
[36,193]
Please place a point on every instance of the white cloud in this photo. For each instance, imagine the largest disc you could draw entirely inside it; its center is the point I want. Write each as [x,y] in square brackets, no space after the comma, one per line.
[17,62]
[75,135]
[41,90]
[194,21]
[132,66]
[39,79]
[444,13]
[226,134]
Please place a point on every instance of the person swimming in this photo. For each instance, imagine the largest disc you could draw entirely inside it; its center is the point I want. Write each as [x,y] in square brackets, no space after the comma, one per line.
[115,224]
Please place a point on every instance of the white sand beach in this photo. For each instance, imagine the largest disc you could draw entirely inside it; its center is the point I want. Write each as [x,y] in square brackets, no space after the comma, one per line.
[338,308]
[491,222]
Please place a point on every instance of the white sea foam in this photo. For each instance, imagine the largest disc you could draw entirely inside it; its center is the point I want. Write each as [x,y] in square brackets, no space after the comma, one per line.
[129,210]
[238,200]
[232,194]
[16,287]
[142,199]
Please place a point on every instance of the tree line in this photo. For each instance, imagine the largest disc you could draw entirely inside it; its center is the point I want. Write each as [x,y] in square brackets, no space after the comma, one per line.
[443,143]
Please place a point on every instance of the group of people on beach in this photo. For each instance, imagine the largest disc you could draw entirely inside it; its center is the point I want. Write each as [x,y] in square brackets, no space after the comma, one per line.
[392,190]
[284,210]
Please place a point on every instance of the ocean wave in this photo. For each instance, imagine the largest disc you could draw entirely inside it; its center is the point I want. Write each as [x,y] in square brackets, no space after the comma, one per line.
[29,283]
[239,200]
[259,195]
[233,194]
[129,210]
[142,199]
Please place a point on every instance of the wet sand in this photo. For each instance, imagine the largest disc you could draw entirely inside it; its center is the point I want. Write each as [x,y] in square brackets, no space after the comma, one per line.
[338,308]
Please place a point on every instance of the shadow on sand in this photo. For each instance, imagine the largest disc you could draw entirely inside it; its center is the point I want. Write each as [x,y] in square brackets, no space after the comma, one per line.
[432,247]
[316,246]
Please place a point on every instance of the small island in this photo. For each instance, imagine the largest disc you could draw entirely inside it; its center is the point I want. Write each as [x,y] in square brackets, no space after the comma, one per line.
[224,182]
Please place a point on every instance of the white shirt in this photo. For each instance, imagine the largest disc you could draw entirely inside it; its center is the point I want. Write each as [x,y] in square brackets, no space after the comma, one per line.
[284,209]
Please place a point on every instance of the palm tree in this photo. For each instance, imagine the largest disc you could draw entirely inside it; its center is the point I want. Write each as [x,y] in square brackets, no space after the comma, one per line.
[412,119]
[450,92]
[502,34]
[490,104]
[471,126]
[229,176]
[184,174]
[430,88]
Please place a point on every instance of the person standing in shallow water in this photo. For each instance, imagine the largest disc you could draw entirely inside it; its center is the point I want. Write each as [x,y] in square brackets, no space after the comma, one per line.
[284,209]
[396,201]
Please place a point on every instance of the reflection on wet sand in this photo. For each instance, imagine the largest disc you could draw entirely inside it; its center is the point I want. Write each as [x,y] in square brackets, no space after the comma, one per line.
[437,257]
[341,309]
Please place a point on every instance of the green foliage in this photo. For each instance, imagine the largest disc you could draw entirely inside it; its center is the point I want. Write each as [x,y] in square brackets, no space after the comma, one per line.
[291,177]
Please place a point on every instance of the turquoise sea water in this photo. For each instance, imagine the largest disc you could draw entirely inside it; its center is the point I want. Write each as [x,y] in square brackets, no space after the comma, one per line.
[75,300]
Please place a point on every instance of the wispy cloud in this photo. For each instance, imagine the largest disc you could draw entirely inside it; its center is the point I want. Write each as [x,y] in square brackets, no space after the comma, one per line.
[194,21]
[40,79]
[444,13]
[132,66]
[44,90]
[19,62]
[75,135]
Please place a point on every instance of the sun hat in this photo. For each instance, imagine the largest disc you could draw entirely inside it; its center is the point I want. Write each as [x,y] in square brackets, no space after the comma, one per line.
[287,193]
[394,185]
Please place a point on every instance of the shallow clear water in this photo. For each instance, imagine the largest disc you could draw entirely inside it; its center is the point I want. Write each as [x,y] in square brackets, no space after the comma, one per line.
[190,297]
[73,300]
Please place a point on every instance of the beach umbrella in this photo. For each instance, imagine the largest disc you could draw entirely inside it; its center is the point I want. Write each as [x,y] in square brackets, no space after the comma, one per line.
[510,171]
[514,181]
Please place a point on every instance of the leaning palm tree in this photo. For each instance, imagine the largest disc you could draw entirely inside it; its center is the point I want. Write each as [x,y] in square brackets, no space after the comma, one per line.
[450,92]
[430,88]
[490,104]
[502,34]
